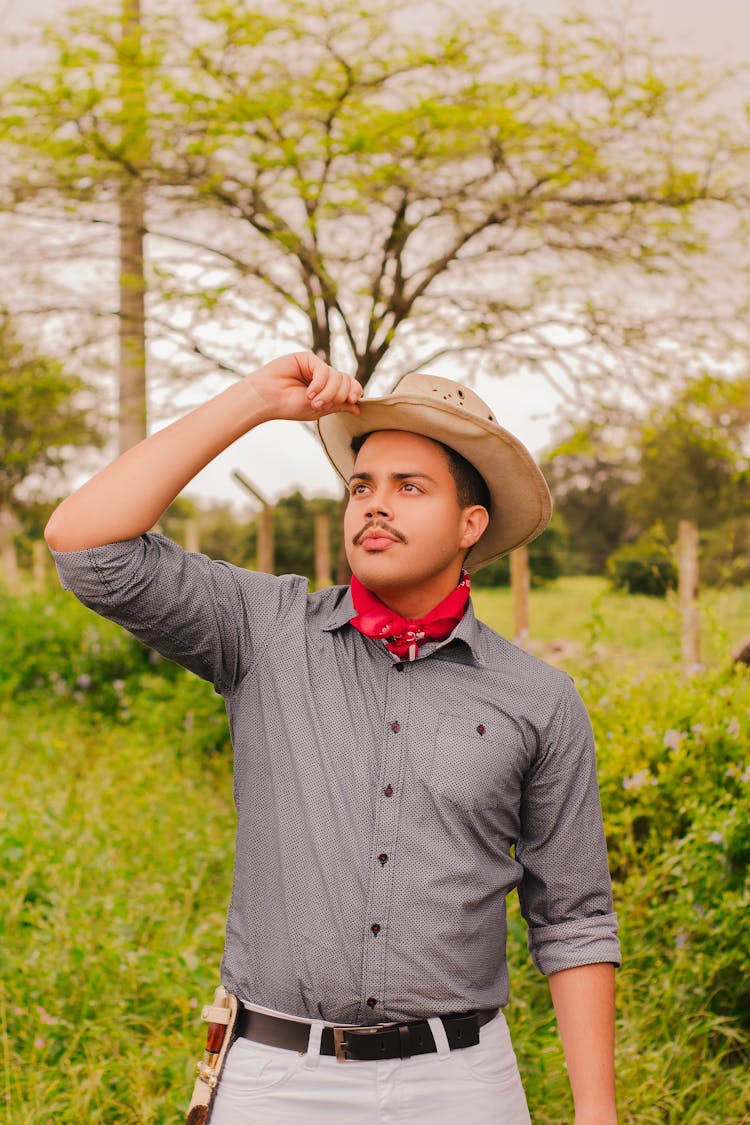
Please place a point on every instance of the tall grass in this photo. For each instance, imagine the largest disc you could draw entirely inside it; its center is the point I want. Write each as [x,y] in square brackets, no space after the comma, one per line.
[116,839]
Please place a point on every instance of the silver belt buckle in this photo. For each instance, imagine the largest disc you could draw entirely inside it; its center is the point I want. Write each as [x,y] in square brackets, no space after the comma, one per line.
[340,1044]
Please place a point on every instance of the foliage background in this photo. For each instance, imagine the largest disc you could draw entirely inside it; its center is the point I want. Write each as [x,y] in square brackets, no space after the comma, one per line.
[116,834]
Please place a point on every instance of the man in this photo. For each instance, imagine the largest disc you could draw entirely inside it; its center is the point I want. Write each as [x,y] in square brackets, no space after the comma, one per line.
[399,767]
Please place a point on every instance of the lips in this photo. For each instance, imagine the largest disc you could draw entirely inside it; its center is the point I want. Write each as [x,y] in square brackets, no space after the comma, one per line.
[376,541]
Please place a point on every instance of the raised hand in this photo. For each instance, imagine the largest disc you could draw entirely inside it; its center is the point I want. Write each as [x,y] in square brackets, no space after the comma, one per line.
[304,387]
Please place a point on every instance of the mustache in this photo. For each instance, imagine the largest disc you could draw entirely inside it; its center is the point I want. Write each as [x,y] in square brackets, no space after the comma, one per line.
[382,526]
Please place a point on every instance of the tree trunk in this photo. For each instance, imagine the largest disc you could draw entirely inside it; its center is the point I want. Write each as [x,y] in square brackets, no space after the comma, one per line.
[132,329]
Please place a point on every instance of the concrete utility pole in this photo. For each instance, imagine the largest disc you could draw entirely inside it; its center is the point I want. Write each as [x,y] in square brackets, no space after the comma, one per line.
[265,559]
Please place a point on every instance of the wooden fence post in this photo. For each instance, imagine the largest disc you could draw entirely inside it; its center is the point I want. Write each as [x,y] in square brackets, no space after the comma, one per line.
[687,569]
[265,550]
[520,584]
[39,565]
[8,554]
[192,537]
[322,550]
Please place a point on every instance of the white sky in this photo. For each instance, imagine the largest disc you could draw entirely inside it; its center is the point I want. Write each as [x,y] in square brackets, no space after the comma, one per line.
[279,457]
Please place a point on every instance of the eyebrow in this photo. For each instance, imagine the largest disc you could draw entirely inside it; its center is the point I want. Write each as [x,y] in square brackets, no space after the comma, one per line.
[393,476]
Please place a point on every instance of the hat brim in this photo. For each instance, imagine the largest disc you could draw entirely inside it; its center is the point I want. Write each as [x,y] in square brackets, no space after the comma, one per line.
[520,499]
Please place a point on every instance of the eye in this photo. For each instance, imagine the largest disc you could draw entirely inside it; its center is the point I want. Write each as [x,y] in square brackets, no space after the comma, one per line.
[357,489]
[410,486]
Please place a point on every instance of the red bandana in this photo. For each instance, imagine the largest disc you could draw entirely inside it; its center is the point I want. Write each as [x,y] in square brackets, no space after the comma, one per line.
[402,635]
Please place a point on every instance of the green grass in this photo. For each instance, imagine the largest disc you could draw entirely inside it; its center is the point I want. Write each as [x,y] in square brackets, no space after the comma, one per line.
[116,852]
[581,619]
[116,838]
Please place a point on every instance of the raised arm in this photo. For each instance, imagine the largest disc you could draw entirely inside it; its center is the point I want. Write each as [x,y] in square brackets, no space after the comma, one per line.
[128,497]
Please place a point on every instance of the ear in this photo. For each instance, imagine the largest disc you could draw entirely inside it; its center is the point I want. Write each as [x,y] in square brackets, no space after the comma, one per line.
[475,520]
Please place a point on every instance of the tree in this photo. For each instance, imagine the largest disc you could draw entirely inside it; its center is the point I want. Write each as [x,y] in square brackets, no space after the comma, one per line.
[498,188]
[693,462]
[44,420]
[619,476]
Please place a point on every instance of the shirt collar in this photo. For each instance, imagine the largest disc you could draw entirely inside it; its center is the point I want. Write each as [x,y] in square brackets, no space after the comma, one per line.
[467,631]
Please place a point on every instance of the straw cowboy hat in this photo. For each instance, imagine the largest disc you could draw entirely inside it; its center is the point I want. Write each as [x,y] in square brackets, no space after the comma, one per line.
[454,415]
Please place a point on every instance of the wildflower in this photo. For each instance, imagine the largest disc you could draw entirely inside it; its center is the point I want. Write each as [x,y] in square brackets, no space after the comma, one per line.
[118,686]
[638,780]
[716,838]
[193,1002]
[40,1043]
[745,775]
[672,739]
[680,939]
[45,1017]
[84,681]
[733,727]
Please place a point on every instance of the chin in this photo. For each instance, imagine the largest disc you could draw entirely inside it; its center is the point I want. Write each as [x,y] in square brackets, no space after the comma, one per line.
[375,571]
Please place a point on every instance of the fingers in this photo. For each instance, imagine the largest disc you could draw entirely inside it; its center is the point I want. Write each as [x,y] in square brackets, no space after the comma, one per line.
[330,389]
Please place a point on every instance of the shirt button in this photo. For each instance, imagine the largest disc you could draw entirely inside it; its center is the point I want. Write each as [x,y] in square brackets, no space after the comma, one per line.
[388,791]
[375,928]
[371,1002]
[383,858]
[481,728]
[399,666]
[395,727]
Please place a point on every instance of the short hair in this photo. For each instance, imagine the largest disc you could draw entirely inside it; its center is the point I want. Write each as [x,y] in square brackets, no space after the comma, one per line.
[471,487]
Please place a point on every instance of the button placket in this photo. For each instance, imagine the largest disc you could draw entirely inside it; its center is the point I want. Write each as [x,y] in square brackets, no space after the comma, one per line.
[382,865]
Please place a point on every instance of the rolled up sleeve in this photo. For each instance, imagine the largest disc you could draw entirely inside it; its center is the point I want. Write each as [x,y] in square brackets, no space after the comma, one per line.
[209,616]
[565,890]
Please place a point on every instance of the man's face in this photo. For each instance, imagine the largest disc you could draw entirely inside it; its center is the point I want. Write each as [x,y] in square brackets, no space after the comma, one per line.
[403,525]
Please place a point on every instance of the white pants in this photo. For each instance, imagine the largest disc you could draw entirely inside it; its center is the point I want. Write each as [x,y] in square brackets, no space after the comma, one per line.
[473,1085]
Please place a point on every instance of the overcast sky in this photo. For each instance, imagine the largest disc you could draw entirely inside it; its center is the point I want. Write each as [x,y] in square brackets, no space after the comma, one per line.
[717,30]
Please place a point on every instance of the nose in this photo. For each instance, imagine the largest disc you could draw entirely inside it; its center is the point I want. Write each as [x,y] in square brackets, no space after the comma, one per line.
[378,506]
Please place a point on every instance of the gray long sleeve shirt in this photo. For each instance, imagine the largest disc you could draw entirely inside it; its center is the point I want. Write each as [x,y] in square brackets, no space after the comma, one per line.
[384,809]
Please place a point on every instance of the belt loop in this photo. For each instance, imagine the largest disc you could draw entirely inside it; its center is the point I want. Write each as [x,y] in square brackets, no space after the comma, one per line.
[438,1034]
[312,1058]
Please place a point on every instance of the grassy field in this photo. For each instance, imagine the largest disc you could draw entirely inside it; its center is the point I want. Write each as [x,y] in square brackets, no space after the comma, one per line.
[576,620]
[116,830]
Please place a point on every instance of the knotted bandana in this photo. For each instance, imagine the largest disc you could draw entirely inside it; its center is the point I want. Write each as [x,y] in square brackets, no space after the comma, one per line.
[402,635]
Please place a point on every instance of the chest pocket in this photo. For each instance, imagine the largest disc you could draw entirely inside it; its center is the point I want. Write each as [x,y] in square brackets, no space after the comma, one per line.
[477,765]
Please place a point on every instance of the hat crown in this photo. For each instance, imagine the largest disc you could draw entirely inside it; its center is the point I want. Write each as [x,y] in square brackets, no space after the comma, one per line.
[447,391]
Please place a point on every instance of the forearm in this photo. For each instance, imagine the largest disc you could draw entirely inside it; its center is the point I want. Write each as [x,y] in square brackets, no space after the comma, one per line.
[129,496]
[584,1002]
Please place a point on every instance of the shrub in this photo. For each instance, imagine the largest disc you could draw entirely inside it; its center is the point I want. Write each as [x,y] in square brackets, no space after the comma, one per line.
[725,554]
[675,783]
[645,566]
[546,560]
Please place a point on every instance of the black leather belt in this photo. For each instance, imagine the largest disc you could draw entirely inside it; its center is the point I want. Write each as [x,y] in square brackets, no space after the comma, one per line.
[381,1041]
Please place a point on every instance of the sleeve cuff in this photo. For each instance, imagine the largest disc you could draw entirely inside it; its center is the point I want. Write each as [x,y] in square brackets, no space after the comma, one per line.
[89,572]
[582,941]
